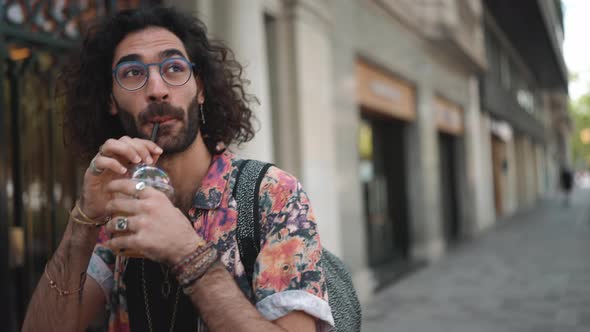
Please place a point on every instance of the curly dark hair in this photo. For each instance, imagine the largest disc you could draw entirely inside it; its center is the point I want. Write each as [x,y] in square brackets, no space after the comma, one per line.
[87,81]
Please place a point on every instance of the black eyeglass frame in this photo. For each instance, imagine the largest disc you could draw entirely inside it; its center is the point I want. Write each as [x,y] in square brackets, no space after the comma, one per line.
[147,67]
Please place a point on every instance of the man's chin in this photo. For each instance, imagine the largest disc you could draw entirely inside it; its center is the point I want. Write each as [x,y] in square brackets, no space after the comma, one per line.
[173,145]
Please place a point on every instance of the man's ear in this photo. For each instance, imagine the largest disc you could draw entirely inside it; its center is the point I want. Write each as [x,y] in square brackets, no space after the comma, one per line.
[113,108]
[200,91]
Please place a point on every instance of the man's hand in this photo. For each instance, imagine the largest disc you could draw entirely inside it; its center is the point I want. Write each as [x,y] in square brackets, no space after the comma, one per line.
[112,162]
[156,228]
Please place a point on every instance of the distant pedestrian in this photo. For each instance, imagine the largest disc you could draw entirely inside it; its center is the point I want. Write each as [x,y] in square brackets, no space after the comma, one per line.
[567,183]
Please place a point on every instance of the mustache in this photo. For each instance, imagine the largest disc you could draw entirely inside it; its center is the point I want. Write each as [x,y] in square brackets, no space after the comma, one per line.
[160,110]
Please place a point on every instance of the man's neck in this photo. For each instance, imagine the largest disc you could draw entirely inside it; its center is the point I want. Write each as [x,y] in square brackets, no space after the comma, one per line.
[186,171]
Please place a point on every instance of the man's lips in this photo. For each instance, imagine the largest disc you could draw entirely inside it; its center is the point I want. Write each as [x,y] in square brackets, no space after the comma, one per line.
[161,119]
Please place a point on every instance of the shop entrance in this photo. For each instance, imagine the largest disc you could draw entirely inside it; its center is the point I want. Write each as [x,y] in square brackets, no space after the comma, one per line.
[499,169]
[383,175]
[448,185]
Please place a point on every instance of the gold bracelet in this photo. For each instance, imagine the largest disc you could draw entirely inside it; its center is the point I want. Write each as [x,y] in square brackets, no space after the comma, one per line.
[60,291]
[83,219]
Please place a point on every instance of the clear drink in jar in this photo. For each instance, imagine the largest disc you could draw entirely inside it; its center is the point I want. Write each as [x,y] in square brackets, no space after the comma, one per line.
[153,177]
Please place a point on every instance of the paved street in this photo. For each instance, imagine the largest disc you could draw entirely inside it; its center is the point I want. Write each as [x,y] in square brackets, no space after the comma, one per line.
[531,273]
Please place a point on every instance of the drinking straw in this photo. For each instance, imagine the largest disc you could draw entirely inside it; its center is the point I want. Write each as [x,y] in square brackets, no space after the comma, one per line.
[155,131]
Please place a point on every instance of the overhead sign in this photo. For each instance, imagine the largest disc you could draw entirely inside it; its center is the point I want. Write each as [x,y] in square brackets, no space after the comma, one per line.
[501,129]
[380,92]
[449,116]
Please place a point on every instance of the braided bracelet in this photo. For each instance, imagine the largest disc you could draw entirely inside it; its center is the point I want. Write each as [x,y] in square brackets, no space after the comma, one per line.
[61,292]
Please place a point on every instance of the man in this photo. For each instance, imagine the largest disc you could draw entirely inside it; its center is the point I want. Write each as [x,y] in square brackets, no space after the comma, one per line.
[156,66]
[567,182]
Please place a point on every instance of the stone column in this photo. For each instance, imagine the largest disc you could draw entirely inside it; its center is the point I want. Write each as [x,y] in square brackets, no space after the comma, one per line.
[205,12]
[313,63]
[346,126]
[423,175]
[480,211]
[203,9]
[241,25]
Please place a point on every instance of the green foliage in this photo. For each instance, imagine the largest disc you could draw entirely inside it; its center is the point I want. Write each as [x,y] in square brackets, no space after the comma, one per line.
[580,113]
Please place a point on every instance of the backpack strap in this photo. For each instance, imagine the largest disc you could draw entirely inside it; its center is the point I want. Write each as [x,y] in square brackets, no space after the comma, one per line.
[246,189]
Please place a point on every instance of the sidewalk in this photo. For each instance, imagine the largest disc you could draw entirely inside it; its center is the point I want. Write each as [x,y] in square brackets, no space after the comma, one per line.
[530,273]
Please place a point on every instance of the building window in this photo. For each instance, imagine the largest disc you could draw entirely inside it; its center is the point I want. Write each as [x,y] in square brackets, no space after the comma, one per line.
[505,71]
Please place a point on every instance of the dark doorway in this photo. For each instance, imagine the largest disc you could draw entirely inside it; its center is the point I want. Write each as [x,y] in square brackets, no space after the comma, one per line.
[39,179]
[383,173]
[448,185]
[500,162]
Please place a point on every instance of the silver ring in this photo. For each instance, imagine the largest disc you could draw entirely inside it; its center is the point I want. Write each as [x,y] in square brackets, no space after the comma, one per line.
[121,224]
[139,186]
[93,169]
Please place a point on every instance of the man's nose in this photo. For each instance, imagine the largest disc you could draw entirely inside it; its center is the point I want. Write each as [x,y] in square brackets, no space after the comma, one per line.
[157,89]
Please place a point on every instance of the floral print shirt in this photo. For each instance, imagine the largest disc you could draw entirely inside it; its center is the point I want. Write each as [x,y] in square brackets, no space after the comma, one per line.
[287,274]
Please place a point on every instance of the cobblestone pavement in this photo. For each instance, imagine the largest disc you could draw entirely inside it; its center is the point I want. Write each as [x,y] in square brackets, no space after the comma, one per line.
[530,273]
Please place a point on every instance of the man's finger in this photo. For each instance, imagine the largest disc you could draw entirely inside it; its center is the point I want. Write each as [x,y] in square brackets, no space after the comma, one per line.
[121,149]
[135,188]
[152,147]
[121,225]
[103,163]
[140,147]
[123,205]
[122,242]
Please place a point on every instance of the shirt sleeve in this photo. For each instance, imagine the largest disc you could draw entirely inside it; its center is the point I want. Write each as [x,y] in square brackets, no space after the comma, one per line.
[102,265]
[288,274]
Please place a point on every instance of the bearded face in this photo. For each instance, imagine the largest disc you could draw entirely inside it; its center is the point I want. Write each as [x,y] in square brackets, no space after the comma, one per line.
[178,127]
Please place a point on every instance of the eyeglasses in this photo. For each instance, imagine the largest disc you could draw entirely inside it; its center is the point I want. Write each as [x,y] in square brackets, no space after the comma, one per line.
[132,75]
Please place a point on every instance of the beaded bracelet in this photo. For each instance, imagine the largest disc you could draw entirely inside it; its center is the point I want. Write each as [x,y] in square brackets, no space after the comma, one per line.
[201,248]
[197,268]
[194,267]
[61,292]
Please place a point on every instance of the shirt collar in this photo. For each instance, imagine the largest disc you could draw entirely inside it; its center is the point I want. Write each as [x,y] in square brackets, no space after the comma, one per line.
[213,185]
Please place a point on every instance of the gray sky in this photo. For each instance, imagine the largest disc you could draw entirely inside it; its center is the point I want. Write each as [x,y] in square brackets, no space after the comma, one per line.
[576,46]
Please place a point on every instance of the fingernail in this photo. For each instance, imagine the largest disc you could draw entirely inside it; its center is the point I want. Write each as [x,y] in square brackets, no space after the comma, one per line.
[149,160]
[137,159]
[159,150]
[123,170]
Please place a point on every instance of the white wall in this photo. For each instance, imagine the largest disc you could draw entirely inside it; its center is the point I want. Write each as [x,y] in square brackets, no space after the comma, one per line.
[318,44]
[511,193]
[484,177]
[316,121]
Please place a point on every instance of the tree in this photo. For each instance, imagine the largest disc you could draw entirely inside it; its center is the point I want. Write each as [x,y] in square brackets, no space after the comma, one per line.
[580,139]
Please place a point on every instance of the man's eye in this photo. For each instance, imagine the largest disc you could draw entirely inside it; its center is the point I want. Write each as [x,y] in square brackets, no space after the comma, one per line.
[175,68]
[133,72]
